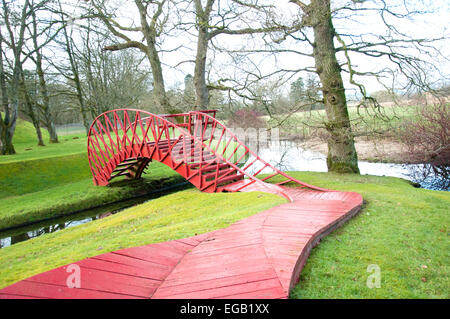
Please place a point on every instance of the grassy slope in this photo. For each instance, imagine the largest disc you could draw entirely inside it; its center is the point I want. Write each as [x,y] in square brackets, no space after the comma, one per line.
[162,219]
[25,144]
[23,177]
[58,195]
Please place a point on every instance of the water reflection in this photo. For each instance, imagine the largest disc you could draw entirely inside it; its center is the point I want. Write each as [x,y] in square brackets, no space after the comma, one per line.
[288,156]
[16,235]
[24,233]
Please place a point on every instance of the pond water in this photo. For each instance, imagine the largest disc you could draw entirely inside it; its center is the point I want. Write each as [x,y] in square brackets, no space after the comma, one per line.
[288,156]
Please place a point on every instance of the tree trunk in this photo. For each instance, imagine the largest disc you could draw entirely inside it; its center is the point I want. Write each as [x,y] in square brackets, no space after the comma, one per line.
[45,107]
[152,54]
[29,109]
[6,136]
[48,116]
[8,123]
[342,155]
[158,80]
[201,91]
[202,18]
[76,79]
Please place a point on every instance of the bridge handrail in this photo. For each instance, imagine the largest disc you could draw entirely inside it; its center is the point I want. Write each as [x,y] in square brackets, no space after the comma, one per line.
[99,160]
[257,158]
[168,123]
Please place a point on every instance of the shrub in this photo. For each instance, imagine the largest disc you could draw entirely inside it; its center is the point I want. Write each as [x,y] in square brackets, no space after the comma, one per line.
[427,141]
[245,118]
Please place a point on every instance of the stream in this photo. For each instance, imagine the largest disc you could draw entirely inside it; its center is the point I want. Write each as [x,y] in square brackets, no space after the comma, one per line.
[18,234]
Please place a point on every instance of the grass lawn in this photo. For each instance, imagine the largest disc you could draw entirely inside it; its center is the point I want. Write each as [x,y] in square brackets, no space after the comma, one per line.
[162,219]
[56,194]
[25,144]
[402,229]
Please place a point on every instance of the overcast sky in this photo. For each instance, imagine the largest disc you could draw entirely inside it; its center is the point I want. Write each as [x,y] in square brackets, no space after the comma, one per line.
[430,25]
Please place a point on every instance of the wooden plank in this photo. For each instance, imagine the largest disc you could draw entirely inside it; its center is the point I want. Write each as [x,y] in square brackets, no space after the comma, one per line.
[98,280]
[217,282]
[42,290]
[220,292]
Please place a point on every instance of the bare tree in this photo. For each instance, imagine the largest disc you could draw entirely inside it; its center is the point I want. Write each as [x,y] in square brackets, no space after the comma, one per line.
[427,141]
[72,73]
[342,155]
[10,98]
[233,17]
[111,79]
[44,103]
[328,44]
[28,102]
[8,121]
[153,16]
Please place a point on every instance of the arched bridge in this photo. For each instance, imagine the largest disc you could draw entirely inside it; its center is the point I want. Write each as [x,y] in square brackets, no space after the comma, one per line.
[196,145]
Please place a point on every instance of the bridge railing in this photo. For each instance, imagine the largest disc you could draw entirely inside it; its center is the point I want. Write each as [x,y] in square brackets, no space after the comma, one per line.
[200,142]
[227,146]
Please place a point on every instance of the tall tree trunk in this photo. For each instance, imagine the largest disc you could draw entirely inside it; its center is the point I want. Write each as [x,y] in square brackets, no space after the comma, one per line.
[6,136]
[8,122]
[29,109]
[201,91]
[45,107]
[203,17]
[342,155]
[158,80]
[153,57]
[76,77]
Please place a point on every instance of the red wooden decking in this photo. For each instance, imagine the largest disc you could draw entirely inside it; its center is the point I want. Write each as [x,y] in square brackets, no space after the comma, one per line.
[258,257]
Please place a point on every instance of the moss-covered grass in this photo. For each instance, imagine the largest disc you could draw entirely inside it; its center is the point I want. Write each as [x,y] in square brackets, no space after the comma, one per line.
[174,216]
[402,229]
[21,177]
[60,196]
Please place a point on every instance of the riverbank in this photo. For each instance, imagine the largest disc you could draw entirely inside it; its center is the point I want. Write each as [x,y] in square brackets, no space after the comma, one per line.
[48,187]
[183,214]
[381,150]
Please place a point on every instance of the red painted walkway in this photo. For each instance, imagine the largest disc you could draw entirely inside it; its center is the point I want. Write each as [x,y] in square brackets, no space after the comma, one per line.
[258,257]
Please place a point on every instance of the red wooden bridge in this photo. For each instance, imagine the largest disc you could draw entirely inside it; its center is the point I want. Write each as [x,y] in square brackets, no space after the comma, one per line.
[258,257]
[195,144]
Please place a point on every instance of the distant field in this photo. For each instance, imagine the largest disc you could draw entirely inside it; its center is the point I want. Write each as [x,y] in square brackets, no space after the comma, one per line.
[70,129]
[25,144]
[385,120]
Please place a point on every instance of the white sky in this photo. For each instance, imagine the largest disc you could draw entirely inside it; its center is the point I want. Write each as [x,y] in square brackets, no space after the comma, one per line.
[433,24]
